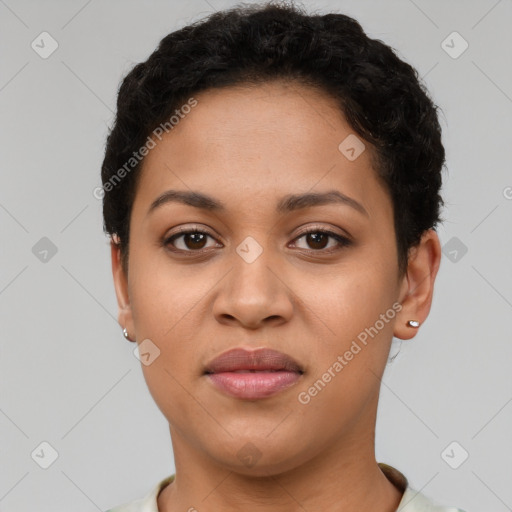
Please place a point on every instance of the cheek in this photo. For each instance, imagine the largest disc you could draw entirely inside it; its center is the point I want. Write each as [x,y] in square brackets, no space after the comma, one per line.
[346,364]
[353,315]
[169,321]
[165,305]
[349,298]
[162,294]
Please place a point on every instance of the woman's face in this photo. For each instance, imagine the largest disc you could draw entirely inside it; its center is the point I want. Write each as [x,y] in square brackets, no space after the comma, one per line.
[255,280]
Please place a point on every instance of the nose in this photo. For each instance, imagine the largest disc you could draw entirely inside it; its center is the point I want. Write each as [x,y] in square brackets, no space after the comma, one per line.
[253,294]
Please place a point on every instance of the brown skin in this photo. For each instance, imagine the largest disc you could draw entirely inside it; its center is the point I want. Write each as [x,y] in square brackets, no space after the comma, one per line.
[249,147]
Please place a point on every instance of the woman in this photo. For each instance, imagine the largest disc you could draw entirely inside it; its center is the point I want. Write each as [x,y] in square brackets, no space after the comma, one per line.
[271,187]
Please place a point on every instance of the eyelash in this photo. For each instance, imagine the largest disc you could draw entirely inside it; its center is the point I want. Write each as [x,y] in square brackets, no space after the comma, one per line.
[342,241]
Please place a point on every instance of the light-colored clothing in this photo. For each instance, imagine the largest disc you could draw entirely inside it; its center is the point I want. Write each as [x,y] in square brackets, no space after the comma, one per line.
[412,501]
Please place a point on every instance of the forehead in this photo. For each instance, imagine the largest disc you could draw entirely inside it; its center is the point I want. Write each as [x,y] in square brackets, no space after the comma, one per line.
[253,119]
[249,142]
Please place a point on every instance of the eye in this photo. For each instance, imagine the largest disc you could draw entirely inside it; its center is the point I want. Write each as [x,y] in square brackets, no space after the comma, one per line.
[193,240]
[319,240]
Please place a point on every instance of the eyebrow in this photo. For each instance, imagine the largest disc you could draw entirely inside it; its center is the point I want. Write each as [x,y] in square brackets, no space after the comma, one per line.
[287,204]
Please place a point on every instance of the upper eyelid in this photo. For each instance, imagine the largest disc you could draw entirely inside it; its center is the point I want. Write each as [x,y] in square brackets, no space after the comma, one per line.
[305,231]
[325,229]
[187,231]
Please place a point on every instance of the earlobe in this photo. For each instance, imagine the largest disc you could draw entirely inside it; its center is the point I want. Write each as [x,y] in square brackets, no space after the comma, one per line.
[418,285]
[124,315]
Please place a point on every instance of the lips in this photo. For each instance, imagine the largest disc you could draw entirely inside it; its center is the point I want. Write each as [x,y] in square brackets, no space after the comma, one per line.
[242,360]
[253,375]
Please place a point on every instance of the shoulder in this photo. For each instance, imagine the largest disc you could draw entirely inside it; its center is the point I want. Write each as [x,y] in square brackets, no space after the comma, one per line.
[412,500]
[148,503]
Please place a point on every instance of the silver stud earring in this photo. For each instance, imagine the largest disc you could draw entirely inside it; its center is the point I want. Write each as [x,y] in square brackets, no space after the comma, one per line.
[413,323]
[125,332]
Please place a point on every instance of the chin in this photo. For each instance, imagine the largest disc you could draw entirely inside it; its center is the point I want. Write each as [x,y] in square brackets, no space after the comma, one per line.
[257,457]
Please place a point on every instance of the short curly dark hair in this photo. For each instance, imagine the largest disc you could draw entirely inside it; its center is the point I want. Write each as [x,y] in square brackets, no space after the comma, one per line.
[380,95]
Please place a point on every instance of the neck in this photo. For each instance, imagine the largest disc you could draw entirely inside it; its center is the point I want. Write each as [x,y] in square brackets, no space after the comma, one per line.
[343,477]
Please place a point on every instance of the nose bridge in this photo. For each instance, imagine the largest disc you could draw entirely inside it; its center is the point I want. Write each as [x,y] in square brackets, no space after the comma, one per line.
[253,290]
[252,278]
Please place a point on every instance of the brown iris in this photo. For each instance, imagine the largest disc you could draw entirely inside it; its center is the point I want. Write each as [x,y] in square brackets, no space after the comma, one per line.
[317,238]
[198,240]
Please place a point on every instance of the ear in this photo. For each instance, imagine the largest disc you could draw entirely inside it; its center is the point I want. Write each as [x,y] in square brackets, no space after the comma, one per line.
[124,315]
[418,284]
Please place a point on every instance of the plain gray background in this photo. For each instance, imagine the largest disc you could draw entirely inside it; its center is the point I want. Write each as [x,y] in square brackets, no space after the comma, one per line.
[68,377]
